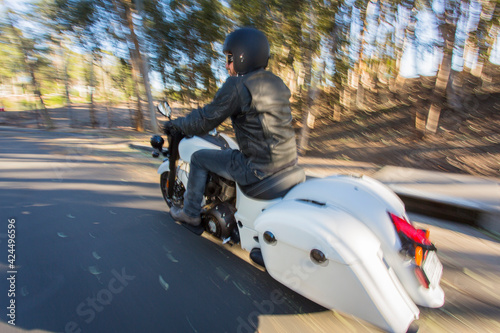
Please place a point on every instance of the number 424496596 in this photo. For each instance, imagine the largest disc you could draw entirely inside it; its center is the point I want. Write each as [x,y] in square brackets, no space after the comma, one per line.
[11,243]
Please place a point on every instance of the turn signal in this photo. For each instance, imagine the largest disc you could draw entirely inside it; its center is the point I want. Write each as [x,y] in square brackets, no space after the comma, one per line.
[419,254]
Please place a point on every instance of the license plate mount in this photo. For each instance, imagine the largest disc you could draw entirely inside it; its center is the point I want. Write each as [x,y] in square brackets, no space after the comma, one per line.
[432,267]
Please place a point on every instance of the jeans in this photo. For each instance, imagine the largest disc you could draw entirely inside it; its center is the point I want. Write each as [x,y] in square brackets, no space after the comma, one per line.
[228,163]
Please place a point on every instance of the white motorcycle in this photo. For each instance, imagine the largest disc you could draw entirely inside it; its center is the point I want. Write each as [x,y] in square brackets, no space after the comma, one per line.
[345,242]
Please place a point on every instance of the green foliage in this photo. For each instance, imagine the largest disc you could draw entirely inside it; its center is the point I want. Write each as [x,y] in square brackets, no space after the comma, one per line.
[186,46]
[55,100]
[314,44]
[122,77]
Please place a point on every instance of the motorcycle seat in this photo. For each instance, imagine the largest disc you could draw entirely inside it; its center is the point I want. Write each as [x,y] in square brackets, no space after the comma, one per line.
[275,186]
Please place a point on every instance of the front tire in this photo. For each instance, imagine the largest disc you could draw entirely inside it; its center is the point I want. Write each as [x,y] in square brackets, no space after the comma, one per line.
[177,198]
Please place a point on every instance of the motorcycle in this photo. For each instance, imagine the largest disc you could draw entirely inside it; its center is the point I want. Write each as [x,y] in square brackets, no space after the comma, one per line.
[343,241]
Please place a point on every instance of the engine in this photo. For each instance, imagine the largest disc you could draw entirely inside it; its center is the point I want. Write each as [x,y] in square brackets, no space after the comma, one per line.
[218,215]
[219,189]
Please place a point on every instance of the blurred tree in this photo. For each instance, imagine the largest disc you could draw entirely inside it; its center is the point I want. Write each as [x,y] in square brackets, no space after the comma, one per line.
[121,74]
[339,38]
[188,42]
[483,38]
[384,44]
[447,29]
[125,9]
[90,78]
[277,21]
[10,67]
[33,56]
[159,29]
[360,49]
[118,19]
[308,37]
[385,56]
[418,95]
[122,9]
[341,51]
[75,18]
[295,30]
[45,13]
[472,47]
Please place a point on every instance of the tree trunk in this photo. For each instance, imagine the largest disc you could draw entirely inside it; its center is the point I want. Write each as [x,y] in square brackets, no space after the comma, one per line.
[484,34]
[337,112]
[24,50]
[143,67]
[448,30]
[307,116]
[455,91]
[45,114]
[360,96]
[105,89]
[130,112]
[65,60]
[138,116]
[93,120]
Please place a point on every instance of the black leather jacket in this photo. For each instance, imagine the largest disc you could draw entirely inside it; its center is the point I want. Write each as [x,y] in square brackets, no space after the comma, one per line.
[259,107]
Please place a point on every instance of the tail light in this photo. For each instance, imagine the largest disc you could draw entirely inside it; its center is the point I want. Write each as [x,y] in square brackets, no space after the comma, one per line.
[415,244]
[421,277]
[407,232]
[410,236]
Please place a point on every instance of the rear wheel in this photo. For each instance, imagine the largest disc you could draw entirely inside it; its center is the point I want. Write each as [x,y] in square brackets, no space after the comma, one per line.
[177,198]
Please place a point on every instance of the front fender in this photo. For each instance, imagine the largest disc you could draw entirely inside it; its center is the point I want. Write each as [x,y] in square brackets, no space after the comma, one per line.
[164,167]
[182,171]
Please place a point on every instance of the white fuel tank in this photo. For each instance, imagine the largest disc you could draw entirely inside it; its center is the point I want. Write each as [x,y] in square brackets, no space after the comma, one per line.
[189,145]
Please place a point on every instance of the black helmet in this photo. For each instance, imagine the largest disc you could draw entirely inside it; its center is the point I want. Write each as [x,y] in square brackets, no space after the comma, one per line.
[250,49]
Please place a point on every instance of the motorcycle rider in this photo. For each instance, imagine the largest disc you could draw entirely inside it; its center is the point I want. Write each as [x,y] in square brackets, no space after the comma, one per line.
[257,102]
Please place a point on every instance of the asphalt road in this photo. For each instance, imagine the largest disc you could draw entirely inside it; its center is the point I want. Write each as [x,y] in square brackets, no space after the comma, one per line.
[96,251]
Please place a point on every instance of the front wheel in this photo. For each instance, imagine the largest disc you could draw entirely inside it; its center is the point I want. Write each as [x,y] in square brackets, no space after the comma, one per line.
[177,198]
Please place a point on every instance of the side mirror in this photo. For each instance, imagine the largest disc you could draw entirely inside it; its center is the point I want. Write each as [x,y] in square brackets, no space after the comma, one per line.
[164,109]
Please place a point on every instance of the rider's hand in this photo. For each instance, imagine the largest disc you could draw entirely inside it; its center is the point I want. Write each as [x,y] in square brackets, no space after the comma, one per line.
[170,129]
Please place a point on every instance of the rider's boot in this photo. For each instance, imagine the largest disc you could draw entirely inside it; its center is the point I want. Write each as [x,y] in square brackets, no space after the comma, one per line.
[193,224]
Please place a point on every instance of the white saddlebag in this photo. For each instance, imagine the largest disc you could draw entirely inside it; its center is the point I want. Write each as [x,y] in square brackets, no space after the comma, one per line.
[354,278]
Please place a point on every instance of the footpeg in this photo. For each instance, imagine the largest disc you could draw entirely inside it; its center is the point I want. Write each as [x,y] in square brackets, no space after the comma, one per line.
[198,230]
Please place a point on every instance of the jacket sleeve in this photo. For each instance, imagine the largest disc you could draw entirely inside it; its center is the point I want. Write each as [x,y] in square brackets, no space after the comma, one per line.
[203,120]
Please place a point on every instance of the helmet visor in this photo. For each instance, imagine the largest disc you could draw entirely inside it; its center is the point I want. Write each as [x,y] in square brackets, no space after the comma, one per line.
[229,58]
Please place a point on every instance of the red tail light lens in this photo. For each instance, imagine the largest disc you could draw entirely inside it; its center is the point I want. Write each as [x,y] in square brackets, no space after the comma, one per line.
[419,273]
[406,230]
[415,244]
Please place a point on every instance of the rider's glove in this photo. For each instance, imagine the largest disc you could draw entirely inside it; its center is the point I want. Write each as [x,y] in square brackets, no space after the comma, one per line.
[170,129]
